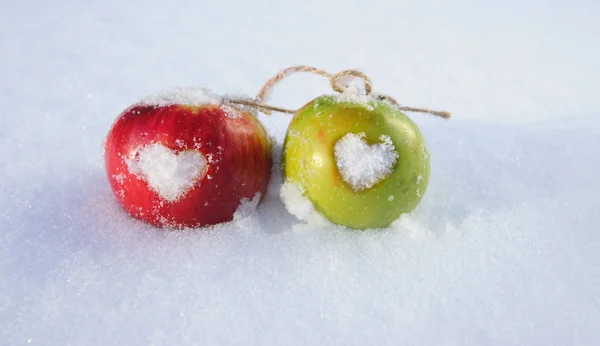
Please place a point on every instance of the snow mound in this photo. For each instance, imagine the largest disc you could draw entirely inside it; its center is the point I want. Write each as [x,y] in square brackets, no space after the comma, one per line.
[231,112]
[292,195]
[195,96]
[247,207]
[170,175]
[354,94]
[183,96]
[362,165]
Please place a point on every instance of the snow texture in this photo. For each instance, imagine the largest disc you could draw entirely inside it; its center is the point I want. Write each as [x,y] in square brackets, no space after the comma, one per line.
[298,205]
[504,248]
[171,175]
[247,207]
[357,95]
[184,96]
[362,165]
[195,96]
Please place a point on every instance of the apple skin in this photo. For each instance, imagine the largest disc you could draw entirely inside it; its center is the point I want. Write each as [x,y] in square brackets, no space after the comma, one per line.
[308,161]
[241,149]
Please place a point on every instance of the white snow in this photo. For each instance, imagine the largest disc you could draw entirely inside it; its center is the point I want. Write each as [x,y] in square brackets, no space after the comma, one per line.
[231,112]
[504,248]
[192,96]
[171,175]
[355,94]
[362,165]
[292,195]
[120,178]
[247,207]
[197,96]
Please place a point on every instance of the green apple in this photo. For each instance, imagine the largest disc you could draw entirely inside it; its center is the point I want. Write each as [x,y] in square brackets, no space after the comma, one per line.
[359,160]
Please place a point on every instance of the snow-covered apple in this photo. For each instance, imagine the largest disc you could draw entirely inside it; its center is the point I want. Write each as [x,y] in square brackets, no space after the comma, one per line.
[186,158]
[356,158]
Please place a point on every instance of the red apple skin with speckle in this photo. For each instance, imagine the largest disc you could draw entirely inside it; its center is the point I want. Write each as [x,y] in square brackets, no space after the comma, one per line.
[238,150]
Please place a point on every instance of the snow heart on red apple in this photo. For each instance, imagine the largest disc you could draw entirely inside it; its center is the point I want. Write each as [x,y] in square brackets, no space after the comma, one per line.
[187,159]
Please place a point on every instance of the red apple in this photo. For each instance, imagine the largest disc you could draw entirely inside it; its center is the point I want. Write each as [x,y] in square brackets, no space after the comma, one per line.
[185,159]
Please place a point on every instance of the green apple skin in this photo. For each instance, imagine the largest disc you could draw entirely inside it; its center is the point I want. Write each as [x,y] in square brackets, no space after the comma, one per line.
[308,161]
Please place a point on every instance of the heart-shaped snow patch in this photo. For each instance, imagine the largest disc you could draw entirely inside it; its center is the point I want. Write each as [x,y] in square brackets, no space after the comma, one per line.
[169,174]
[362,165]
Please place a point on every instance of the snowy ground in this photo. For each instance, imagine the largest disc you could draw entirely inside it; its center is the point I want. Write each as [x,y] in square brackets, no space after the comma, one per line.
[503,250]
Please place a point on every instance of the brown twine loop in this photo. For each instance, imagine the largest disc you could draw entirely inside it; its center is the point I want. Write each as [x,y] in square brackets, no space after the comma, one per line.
[353,73]
[264,91]
[259,101]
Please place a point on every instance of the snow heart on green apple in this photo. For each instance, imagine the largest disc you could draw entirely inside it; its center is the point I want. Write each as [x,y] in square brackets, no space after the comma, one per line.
[187,158]
[361,163]
[356,157]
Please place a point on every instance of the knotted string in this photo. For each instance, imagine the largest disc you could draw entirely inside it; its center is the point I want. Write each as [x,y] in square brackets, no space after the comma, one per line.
[259,102]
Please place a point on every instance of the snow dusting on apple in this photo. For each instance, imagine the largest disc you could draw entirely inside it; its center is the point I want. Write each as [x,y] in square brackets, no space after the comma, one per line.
[192,96]
[362,165]
[247,207]
[353,94]
[297,204]
[170,174]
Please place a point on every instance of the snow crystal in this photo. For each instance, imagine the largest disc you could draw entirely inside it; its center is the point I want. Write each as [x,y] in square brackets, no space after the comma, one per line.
[362,165]
[185,96]
[247,207]
[292,195]
[356,95]
[120,178]
[168,174]
[346,80]
[231,112]
[197,97]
